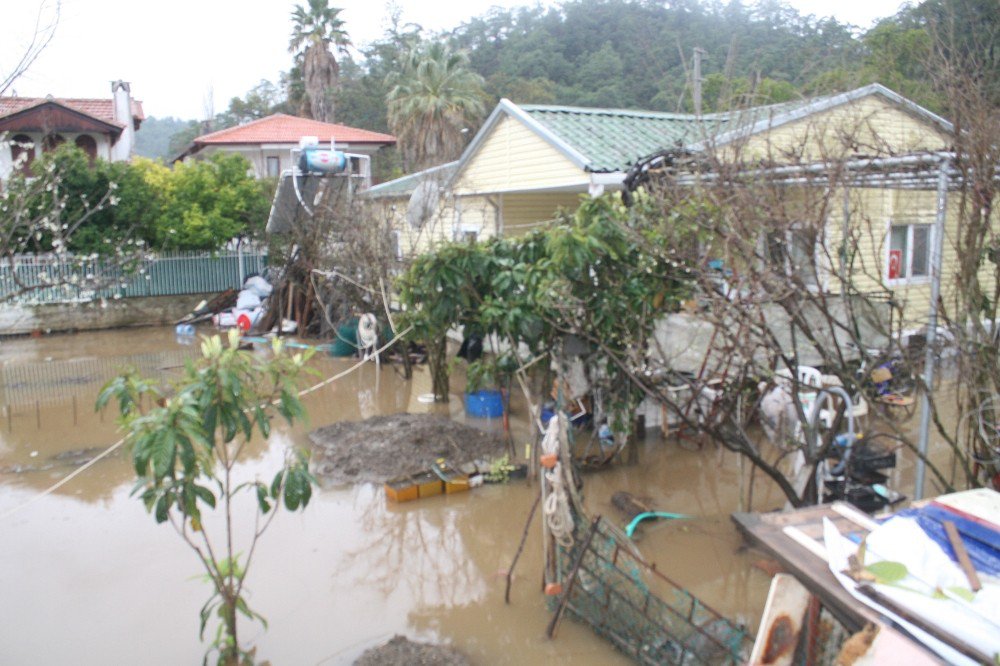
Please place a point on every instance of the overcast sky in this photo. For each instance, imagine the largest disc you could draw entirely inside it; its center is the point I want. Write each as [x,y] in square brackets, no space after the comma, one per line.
[187,57]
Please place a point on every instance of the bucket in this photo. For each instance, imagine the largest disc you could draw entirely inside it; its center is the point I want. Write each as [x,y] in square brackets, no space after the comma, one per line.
[486,403]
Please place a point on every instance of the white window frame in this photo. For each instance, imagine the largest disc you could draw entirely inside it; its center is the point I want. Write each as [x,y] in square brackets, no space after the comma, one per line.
[267,166]
[908,277]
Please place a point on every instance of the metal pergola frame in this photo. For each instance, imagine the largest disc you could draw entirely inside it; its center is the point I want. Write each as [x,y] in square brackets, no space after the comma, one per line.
[928,171]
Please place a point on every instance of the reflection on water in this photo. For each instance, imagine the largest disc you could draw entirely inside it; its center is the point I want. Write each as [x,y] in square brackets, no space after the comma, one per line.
[89,578]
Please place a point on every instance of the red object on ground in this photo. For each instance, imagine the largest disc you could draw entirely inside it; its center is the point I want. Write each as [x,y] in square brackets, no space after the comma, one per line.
[243,323]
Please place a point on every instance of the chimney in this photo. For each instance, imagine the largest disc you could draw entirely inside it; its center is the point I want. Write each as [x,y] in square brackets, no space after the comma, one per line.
[122,149]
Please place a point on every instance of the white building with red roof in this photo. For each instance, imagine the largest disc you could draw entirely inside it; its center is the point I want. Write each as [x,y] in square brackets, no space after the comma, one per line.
[102,128]
[267,143]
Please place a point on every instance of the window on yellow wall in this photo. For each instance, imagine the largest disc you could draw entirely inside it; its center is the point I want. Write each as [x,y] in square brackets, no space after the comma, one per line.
[793,252]
[909,252]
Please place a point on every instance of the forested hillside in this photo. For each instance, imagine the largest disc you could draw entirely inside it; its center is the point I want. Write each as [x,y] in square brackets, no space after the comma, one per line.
[637,54]
[154,136]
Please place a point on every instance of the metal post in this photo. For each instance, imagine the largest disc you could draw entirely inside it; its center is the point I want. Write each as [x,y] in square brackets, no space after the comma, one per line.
[239,259]
[929,360]
[845,233]
[696,80]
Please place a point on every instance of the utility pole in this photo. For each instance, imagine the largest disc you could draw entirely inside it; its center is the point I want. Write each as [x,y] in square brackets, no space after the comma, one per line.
[696,79]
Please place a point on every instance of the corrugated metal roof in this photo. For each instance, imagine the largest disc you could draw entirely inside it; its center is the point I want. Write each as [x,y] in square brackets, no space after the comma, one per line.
[403,187]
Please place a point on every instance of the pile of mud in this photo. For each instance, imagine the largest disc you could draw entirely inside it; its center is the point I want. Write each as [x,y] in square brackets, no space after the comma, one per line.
[384,447]
[400,651]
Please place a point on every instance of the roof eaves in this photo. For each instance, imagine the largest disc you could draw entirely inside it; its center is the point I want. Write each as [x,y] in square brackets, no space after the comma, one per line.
[907,104]
[477,140]
[819,105]
[114,127]
[511,109]
[553,139]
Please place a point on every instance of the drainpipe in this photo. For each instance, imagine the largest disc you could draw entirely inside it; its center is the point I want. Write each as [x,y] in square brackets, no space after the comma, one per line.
[929,360]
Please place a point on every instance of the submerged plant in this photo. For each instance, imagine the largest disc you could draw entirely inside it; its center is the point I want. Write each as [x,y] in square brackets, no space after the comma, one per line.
[185,444]
[500,469]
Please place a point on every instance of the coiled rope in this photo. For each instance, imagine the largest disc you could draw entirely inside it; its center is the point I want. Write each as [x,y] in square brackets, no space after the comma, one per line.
[556,510]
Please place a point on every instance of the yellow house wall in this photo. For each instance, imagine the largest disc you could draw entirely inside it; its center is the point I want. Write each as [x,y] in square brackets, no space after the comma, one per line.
[514,158]
[873,211]
[524,212]
[868,126]
[511,214]
[454,216]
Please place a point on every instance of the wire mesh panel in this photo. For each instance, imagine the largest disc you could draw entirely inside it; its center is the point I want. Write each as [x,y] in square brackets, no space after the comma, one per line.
[57,381]
[643,613]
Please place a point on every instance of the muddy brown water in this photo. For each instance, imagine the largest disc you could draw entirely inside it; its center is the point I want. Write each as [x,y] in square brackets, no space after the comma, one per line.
[87,577]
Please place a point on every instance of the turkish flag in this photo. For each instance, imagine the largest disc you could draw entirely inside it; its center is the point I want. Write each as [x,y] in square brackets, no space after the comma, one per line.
[895,263]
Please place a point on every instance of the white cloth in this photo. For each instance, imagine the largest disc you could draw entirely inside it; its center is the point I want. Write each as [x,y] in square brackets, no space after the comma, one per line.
[929,568]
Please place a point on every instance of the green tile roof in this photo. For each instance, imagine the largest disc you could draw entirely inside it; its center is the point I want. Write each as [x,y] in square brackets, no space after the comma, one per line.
[612,139]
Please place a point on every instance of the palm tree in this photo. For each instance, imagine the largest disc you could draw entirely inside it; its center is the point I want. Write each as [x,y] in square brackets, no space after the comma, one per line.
[314,31]
[431,104]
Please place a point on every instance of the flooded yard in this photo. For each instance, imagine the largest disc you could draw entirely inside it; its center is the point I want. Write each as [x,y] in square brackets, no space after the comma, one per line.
[88,577]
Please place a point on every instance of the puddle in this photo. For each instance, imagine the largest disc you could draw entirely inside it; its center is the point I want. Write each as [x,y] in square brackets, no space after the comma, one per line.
[89,578]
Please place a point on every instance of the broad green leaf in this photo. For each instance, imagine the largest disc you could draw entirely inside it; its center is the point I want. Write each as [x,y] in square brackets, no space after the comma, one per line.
[262,502]
[887,572]
[163,508]
[962,593]
[205,495]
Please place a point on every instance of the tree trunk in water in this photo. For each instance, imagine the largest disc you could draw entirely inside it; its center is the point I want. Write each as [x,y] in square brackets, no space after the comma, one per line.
[437,359]
[231,654]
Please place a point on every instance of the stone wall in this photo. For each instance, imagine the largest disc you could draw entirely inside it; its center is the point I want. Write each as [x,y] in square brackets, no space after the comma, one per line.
[96,315]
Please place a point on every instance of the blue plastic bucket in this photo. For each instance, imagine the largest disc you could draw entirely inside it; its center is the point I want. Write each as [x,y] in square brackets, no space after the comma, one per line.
[487,403]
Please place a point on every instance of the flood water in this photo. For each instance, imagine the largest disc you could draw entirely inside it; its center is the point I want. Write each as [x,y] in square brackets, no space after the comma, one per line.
[88,577]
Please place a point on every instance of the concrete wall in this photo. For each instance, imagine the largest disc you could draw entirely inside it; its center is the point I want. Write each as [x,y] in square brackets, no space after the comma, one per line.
[97,315]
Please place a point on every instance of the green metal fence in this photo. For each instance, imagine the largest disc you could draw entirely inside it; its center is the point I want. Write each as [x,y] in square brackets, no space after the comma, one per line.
[49,279]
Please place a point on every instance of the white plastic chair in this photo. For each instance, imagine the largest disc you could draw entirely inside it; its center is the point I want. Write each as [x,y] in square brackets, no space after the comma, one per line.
[810,380]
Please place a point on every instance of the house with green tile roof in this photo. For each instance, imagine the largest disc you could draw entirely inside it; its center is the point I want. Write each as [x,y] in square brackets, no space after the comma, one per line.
[527,162]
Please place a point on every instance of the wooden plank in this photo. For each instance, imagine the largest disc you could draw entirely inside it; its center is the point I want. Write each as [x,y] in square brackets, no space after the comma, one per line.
[781,622]
[810,570]
[963,555]
[934,630]
[855,516]
[806,541]
[814,573]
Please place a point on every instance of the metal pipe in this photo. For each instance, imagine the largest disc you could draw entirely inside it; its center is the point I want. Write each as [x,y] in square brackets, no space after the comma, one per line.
[929,360]
[814,428]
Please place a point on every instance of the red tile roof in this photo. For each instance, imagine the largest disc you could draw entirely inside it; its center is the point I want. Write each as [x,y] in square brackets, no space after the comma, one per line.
[283,128]
[102,109]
